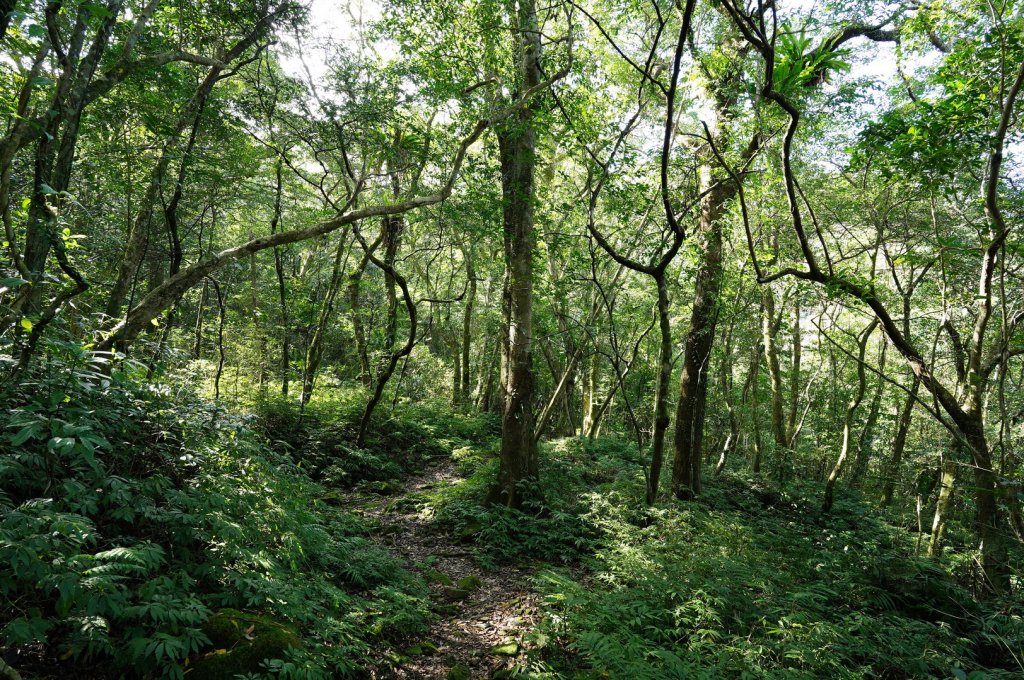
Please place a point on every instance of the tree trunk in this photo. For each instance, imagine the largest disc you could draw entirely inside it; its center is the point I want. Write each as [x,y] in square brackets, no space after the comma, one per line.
[942,507]
[282,289]
[591,379]
[139,232]
[734,425]
[517,143]
[899,444]
[6,7]
[755,369]
[794,377]
[261,341]
[866,443]
[693,381]
[391,235]
[569,348]
[56,150]
[314,353]
[771,355]
[991,529]
[467,325]
[220,339]
[197,343]
[388,366]
[356,312]
[851,409]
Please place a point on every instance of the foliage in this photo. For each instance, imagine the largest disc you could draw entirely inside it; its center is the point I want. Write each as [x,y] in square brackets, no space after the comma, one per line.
[549,528]
[132,511]
[753,583]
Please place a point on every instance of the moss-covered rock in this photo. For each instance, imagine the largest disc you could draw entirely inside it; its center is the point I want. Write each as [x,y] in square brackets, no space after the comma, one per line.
[463,588]
[240,642]
[436,576]
[506,649]
[469,583]
[459,672]
[383,488]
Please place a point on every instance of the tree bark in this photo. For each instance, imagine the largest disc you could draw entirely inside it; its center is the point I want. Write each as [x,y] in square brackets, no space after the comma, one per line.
[755,369]
[771,355]
[591,379]
[517,143]
[899,444]
[314,353]
[125,331]
[866,443]
[138,233]
[6,7]
[693,381]
[794,376]
[851,409]
[55,153]
[942,507]
[282,288]
[727,397]
[387,369]
[467,325]
[356,312]
[257,324]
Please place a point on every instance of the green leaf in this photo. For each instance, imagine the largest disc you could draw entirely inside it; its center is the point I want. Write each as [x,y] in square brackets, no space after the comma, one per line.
[12,282]
[98,11]
[24,435]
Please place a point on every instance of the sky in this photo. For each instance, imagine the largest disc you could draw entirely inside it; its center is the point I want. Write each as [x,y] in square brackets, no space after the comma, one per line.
[336,20]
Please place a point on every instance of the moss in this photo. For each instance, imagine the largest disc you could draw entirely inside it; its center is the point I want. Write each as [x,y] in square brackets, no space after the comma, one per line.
[506,649]
[459,672]
[470,583]
[455,594]
[439,577]
[240,642]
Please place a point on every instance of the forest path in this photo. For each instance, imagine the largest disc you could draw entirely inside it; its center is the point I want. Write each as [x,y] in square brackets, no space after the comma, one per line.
[481,614]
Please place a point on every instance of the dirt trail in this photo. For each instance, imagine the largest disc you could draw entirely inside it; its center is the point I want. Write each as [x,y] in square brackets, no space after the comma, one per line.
[481,615]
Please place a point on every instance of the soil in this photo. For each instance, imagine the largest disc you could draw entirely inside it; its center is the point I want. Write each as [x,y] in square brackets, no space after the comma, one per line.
[481,615]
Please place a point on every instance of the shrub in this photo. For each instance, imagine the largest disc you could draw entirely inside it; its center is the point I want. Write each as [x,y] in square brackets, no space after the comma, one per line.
[129,512]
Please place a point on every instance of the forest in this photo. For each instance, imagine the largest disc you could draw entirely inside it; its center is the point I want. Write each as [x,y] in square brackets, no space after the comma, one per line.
[578,339]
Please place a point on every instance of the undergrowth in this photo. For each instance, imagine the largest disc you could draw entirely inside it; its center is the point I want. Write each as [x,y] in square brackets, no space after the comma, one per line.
[132,512]
[747,582]
[321,437]
[141,523]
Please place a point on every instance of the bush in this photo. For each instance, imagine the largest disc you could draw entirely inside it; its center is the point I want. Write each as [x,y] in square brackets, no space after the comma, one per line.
[130,512]
[551,526]
[321,437]
[747,583]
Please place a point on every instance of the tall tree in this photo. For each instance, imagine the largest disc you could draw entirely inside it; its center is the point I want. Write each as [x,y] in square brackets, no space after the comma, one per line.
[517,145]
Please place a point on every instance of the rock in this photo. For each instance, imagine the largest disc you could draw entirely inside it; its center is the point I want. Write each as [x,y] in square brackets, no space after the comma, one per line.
[469,531]
[470,583]
[459,672]
[240,642]
[335,498]
[463,589]
[506,649]
[456,594]
[439,577]
[384,488]
[447,610]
